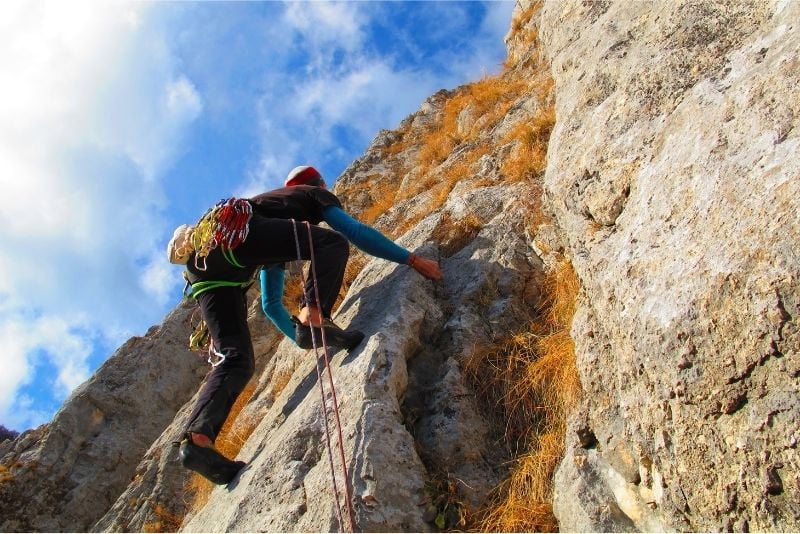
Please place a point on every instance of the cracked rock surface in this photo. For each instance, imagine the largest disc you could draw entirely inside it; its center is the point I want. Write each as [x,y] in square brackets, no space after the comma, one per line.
[673,175]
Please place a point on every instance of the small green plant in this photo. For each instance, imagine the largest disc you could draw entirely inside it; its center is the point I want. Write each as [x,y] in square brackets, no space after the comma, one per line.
[445,507]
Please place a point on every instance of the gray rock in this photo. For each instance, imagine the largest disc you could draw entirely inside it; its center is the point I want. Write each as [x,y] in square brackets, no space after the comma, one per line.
[68,473]
[672,175]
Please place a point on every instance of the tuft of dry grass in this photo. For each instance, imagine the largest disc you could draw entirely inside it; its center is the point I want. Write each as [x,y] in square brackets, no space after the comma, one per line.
[532,378]
[454,234]
[473,109]
[521,19]
[166,521]
[401,143]
[5,474]
[293,292]
[526,34]
[383,197]
[529,157]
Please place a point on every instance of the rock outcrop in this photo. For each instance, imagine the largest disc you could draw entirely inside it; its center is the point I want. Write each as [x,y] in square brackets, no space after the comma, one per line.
[674,178]
[670,185]
[65,475]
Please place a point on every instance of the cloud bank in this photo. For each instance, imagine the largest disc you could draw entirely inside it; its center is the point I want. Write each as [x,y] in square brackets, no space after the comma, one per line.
[92,111]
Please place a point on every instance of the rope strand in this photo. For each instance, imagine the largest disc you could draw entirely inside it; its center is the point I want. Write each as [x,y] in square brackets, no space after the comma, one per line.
[348,498]
[323,407]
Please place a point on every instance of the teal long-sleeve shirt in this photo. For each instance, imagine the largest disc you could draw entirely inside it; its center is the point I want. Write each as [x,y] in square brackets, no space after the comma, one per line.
[361,235]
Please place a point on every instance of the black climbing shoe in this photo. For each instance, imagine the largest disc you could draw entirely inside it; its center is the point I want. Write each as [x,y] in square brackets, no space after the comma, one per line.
[208,462]
[334,336]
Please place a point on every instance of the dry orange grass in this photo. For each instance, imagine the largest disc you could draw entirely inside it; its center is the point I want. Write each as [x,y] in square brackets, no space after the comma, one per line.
[293,292]
[532,378]
[5,474]
[486,101]
[166,521]
[383,195]
[522,19]
[527,35]
[401,144]
[529,157]
[231,438]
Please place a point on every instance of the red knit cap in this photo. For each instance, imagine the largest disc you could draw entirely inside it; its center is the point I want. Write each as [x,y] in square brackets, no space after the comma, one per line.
[302,175]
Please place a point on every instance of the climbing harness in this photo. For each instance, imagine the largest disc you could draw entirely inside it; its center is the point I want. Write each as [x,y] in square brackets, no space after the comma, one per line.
[348,497]
[226,225]
[200,338]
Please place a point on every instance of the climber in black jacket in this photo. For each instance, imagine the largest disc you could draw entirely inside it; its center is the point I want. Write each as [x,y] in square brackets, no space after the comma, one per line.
[273,235]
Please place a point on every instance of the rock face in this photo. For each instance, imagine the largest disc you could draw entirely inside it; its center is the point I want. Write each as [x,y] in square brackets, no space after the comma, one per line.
[674,178]
[64,475]
[671,185]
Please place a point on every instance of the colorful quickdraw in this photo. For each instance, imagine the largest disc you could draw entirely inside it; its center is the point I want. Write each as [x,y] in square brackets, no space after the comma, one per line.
[226,224]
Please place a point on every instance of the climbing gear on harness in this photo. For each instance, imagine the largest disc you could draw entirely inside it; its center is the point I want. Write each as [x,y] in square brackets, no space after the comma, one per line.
[200,338]
[198,288]
[208,462]
[313,334]
[179,247]
[200,341]
[212,352]
[336,336]
[226,224]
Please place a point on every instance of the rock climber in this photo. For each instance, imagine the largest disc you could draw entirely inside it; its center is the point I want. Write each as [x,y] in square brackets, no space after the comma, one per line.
[272,230]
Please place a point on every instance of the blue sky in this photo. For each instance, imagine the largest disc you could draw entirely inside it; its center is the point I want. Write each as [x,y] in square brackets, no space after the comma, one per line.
[120,121]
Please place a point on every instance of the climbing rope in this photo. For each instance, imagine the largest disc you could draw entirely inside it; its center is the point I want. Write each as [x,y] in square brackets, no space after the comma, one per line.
[226,224]
[348,497]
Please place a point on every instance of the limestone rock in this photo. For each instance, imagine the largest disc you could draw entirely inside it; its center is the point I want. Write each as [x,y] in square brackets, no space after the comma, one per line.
[673,177]
[671,185]
[65,475]
[156,497]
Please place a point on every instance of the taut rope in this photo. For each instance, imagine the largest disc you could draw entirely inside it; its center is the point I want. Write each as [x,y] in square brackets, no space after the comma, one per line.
[348,497]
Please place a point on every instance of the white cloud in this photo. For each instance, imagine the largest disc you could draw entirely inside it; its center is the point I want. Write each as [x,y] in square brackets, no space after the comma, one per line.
[24,341]
[17,366]
[158,279]
[324,25]
[25,414]
[67,350]
[368,96]
[349,85]
[498,18]
[271,170]
[93,110]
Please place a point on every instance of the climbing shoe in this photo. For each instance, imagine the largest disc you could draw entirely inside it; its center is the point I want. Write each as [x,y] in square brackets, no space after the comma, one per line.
[208,462]
[334,336]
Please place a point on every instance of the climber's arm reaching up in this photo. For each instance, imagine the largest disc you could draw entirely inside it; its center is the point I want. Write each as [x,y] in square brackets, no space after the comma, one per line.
[376,244]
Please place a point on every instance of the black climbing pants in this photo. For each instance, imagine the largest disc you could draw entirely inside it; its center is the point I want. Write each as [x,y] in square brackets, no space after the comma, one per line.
[225,312]
[273,241]
[225,309]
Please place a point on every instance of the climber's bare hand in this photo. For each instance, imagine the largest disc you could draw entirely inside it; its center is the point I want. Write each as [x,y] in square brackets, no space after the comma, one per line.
[426,267]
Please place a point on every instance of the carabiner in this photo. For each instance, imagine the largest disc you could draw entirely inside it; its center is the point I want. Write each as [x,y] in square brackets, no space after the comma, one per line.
[212,351]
